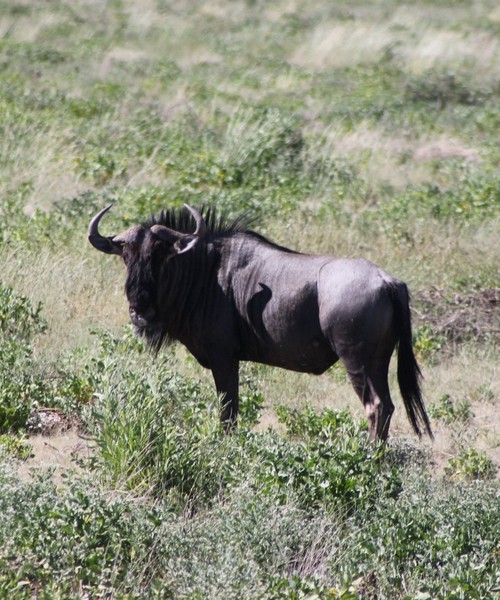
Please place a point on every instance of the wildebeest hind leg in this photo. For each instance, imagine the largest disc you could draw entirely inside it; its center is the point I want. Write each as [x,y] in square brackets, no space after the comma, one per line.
[372,388]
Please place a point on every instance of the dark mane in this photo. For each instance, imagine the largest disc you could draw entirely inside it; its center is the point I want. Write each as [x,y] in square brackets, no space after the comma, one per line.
[181,220]
[217,224]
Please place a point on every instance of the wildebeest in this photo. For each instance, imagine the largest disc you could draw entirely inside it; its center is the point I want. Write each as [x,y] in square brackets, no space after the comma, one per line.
[229,295]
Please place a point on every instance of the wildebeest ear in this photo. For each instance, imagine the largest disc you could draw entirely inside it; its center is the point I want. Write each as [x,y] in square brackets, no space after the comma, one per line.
[181,242]
[121,239]
[165,234]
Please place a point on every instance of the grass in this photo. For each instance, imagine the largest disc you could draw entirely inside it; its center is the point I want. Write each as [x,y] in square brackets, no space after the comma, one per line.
[355,129]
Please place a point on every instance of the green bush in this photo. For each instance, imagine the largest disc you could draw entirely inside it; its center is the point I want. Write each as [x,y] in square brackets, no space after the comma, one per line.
[471,464]
[434,539]
[20,321]
[26,382]
[64,543]
[325,460]
[427,344]
[81,540]
[154,430]
[15,446]
[451,411]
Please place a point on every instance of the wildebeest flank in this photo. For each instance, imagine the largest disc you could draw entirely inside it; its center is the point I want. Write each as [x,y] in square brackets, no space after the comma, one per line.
[228,294]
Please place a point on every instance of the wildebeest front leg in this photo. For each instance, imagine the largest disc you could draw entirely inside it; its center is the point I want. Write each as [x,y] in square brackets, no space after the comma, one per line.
[226,377]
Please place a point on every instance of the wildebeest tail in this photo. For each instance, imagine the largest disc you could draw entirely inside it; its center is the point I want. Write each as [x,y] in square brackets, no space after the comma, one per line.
[409,374]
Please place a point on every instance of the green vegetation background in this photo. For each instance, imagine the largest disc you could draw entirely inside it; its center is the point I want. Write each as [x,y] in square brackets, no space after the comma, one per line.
[353,128]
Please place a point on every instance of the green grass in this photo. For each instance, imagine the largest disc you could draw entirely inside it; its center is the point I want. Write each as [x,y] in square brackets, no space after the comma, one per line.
[353,128]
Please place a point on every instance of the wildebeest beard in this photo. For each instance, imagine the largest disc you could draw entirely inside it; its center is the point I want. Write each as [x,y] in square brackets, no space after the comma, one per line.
[147,289]
[155,338]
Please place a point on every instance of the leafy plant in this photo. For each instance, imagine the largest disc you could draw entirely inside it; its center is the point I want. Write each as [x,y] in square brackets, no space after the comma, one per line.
[20,321]
[471,464]
[16,446]
[251,403]
[156,431]
[451,411]
[74,540]
[297,588]
[427,344]
[434,538]
[26,382]
[326,461]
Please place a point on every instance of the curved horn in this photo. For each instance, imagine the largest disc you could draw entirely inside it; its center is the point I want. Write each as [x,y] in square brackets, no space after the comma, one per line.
[201,227]
[104,244]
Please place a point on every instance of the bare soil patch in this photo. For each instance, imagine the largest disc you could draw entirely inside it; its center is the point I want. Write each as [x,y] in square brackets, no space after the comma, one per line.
[57,453]
[56,445]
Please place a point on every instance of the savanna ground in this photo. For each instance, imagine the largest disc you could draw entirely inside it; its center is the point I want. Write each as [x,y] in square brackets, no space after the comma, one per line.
[351,128]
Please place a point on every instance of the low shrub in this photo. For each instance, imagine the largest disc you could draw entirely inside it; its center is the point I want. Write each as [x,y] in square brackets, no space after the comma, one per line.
[15,446]
[471,464]
[434,540]
[427,344]
[325,460]
[26,382]
[65,544]
[451,411]
[20,321]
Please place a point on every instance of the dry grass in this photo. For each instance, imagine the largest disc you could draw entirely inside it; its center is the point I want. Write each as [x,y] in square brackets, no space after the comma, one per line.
[390,158]
[454,50]
[409,36]
[79,292]
[473,376]
[43,156]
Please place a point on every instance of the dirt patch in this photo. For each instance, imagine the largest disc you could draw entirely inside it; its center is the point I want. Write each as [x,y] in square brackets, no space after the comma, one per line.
[460,317]
[56,445]
[58,453]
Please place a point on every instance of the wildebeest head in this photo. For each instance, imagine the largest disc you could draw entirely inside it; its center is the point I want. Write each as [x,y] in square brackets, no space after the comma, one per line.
[145,251]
